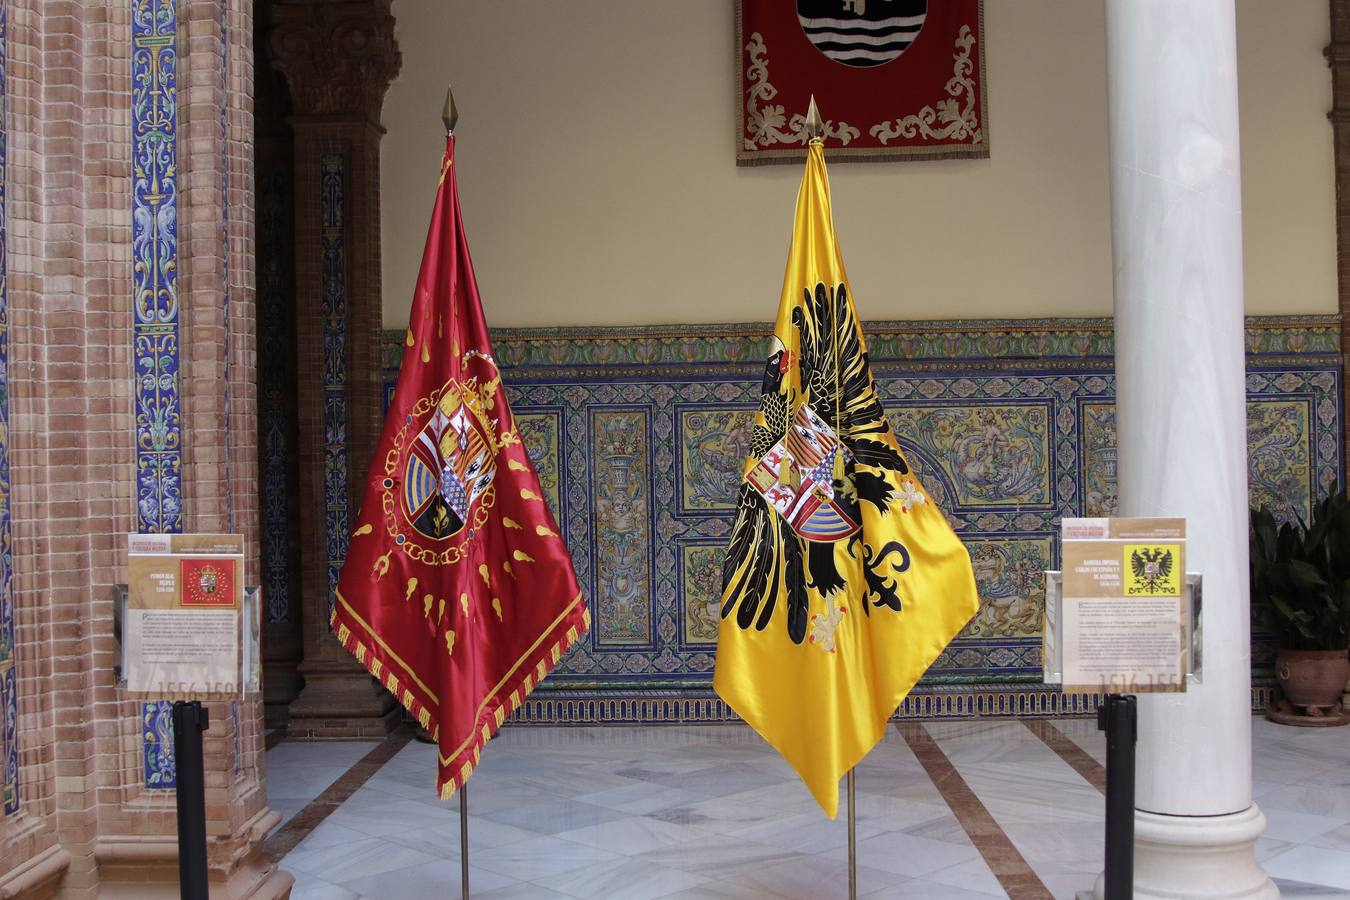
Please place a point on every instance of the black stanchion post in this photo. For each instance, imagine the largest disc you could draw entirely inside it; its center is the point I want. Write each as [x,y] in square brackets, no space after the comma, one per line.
[189,721]
[1117,717]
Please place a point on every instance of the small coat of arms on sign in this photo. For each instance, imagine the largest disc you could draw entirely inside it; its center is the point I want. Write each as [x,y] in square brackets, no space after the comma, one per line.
[895,79]
[1151,571]
[208,582]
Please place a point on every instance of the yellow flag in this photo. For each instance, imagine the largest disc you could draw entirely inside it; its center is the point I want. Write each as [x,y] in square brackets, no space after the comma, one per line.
[842,581]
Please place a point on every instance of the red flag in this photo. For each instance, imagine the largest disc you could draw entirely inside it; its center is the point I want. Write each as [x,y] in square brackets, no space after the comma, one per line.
[458,592]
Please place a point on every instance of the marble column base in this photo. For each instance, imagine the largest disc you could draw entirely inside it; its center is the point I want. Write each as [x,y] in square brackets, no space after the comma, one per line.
[340,700]
[1197,857]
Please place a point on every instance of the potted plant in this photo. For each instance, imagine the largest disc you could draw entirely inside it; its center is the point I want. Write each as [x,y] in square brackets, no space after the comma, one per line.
[1300,587]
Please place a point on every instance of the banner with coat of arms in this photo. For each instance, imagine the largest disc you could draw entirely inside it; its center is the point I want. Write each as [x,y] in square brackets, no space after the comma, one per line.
[843,581]
[894,79]
[458,591]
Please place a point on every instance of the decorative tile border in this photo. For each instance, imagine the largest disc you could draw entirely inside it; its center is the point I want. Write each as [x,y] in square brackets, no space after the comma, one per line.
[154,228]
[9,696]
[333,275]
[276,393]
[665,708]
[154,225]
[225,250]
[157,744]
[984,339]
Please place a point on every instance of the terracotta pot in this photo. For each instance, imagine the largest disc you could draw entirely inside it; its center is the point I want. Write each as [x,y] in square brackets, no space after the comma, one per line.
[1312,677]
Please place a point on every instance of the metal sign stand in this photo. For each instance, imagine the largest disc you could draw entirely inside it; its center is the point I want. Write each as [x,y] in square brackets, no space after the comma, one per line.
[1117,716]
[189,721]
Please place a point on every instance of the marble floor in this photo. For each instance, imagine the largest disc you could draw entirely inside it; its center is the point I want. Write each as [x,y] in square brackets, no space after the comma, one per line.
[971,809]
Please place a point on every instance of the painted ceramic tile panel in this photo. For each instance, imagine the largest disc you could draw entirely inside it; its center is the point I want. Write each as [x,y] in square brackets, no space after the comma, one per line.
[157,744]
[1010,573]
[155,345]
[646,435]
[994,455]
[9,699]
[714,441]
[701,590]
[621,491]
[1282,456]
[333,269]
[541,432]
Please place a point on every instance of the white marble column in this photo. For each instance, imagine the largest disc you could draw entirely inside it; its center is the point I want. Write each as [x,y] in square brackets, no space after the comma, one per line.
[1181,420]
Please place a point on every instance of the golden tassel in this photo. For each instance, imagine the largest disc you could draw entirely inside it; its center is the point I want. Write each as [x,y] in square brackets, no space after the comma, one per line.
[839,464]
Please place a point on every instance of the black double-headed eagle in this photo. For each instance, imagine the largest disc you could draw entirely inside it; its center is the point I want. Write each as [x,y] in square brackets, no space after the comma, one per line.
[1151,566]
[764,551]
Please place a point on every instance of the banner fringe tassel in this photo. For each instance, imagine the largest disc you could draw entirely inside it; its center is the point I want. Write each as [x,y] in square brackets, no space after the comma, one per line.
[423,715]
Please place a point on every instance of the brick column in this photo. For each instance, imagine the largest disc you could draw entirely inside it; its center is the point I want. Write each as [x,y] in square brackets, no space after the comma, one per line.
[338,59]
[1338,57]
[130,306]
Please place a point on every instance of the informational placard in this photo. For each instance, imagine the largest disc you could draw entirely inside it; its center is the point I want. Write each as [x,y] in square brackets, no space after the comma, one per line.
[183,632]
[1124,608]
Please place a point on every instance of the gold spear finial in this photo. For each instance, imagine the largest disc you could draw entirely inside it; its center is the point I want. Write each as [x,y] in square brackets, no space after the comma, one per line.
[815,126]
[450,112]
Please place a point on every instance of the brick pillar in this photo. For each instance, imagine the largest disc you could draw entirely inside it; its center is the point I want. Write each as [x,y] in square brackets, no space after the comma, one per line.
[129,379]
[1338,57]
[338,59]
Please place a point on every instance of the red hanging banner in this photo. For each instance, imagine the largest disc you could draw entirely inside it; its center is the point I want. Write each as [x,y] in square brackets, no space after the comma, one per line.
[894,79]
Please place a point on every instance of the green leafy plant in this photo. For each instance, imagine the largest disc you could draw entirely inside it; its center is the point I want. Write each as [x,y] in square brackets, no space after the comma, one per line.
[1300,576]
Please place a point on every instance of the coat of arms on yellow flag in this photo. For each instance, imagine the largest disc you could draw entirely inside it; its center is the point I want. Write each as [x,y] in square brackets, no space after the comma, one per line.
[843,581]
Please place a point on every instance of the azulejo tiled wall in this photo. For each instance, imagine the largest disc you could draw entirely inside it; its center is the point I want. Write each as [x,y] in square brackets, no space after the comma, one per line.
[276,394]
[9,700]
[639,435]
[332,174]
[155,347]
[223,65]
[154,222]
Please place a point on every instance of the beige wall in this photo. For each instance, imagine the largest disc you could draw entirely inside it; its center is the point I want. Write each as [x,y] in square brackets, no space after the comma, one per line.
[599,183]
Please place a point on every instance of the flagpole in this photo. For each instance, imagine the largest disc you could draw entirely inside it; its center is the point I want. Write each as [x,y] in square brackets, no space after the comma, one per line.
[852,840]
[450,117]
[814,127]
[464,841]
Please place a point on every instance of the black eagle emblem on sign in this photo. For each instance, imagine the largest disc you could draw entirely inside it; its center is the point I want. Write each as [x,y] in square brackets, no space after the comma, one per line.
[1152,567]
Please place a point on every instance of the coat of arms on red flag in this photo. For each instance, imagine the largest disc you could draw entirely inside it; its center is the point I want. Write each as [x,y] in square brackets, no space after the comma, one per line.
[458,592]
